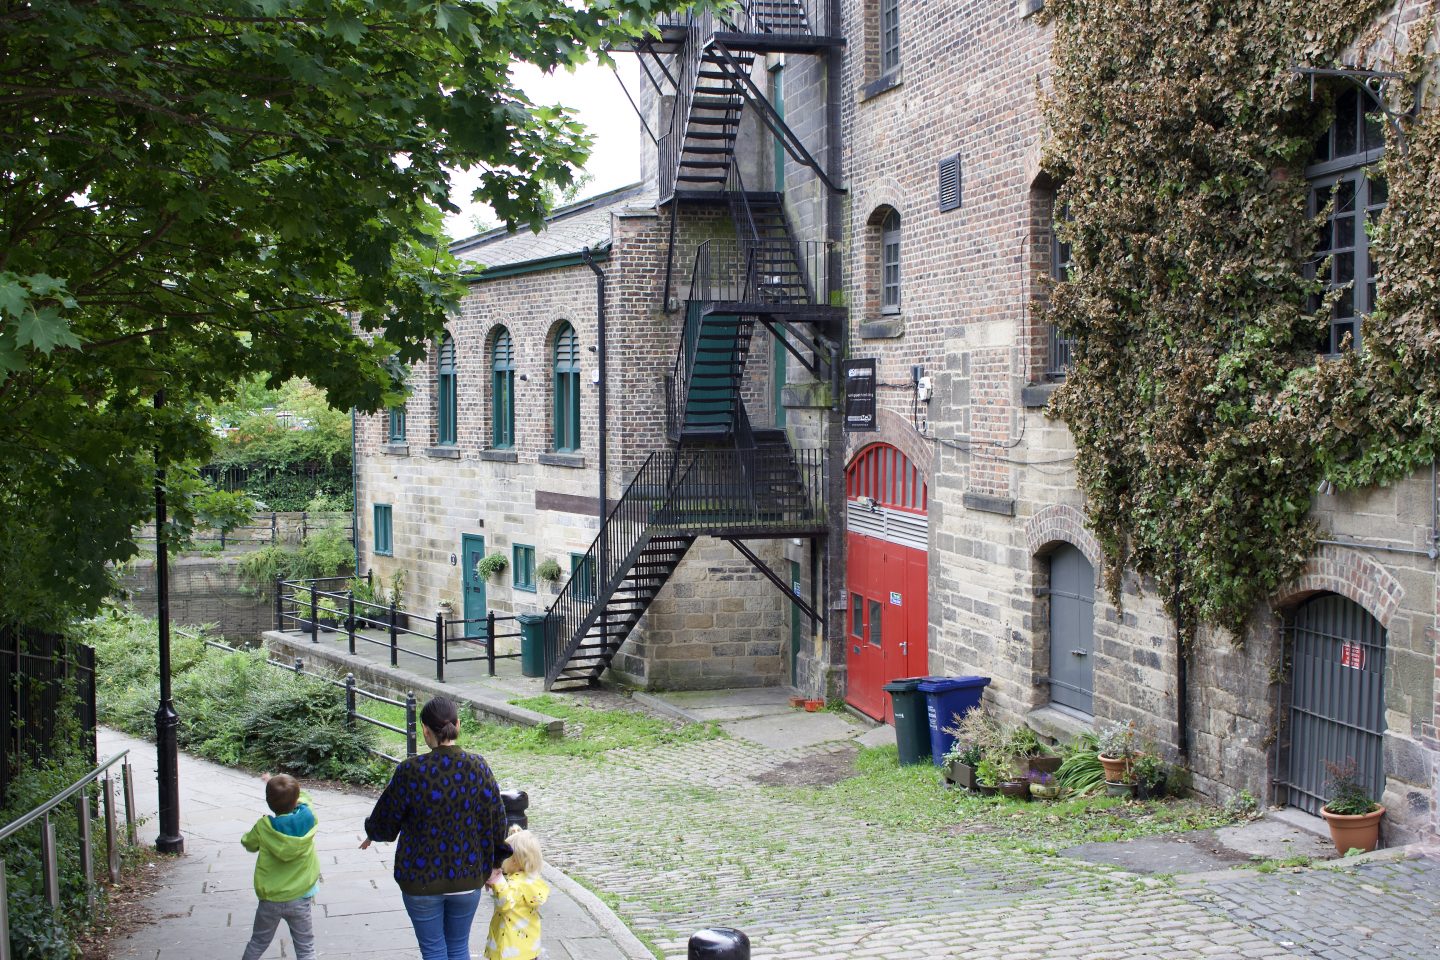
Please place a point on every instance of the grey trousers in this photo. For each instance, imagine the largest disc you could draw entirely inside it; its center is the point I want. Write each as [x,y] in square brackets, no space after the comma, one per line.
[268,915]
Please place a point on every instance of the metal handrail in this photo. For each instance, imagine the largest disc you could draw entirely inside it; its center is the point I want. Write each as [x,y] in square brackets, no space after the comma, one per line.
[25,819]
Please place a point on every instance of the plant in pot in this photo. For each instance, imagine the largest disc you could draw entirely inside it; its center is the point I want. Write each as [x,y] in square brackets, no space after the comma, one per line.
[1118,744]
[987,775]
[1043,785]
[1353,817]
[1015,782]
[549,571]
[1037,756]
[395,593]
[491,564]
[960,763]
[1151,774]
[1080,770]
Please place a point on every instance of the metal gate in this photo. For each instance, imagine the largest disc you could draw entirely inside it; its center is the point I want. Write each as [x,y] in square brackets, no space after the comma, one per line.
[1072,630]
[1337,697]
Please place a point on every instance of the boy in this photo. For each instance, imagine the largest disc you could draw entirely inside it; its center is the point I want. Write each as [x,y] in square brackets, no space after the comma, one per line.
[287,872]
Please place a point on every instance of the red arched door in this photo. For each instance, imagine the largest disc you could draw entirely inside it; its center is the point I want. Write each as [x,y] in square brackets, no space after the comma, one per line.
[887,535]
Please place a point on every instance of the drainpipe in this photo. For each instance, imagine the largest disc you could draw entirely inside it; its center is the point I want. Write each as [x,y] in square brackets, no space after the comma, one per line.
[1182,671]
[604,392]
[354,495]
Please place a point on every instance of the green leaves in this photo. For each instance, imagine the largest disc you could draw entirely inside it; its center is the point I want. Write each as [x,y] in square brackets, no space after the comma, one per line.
[31,314]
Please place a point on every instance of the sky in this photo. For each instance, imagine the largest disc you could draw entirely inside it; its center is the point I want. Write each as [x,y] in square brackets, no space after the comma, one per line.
[593,94]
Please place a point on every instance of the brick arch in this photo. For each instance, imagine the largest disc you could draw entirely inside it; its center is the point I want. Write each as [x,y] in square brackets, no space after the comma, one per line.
[897,431]
[1349,573]
[883,193]
[1062,523]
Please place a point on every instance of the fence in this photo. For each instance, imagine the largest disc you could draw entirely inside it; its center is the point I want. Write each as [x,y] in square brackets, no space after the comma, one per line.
[43,817]
[36,669]
[267,528]
[353,694]
[309,606]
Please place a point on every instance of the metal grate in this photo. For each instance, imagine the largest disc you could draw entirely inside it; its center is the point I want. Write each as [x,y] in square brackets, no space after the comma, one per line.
[1337,702]
[950,183]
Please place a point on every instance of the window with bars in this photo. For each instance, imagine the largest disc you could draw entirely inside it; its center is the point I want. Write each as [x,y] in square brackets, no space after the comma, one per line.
[1345,187]
[890,263]
[1062,348]
[502,390]
[567,390]
[889,36]
[384,533]
[524,567]
[446,403]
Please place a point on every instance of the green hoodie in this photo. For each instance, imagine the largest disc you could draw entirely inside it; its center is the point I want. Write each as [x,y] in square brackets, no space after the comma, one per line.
[288,867]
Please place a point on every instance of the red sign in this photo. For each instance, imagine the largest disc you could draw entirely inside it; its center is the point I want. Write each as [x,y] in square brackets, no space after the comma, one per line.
[1352,655]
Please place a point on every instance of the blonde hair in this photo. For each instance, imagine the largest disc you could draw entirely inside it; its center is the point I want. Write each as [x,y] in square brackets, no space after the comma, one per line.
[526,854]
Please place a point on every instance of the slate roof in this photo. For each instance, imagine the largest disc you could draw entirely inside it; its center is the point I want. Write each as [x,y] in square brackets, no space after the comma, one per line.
[570,229]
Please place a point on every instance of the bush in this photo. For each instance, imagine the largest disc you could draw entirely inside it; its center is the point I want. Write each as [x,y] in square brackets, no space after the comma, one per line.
[234,707]
[323,554]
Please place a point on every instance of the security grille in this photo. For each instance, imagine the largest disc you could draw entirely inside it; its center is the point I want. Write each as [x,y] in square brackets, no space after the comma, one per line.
[896,526]
[950,183]
[1337,703]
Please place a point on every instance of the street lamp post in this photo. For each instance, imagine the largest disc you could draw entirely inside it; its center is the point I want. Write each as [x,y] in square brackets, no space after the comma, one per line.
[167,721]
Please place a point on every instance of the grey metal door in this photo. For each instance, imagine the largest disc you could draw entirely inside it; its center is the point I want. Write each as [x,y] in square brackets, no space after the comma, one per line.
[1072,630]
[1337,697]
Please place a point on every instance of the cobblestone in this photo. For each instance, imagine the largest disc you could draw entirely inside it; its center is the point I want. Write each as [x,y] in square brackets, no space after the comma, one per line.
[682,838]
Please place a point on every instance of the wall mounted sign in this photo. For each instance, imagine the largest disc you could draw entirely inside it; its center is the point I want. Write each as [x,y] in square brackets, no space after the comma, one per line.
[859,394]
[894,598]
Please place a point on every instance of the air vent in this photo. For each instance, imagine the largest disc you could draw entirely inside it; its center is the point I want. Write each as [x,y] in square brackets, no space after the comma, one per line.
[950,183]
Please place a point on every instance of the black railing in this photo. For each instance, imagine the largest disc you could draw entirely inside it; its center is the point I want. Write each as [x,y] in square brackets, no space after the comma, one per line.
[687,492]
[492,628]
[38,672]
[726,275]
[783,18]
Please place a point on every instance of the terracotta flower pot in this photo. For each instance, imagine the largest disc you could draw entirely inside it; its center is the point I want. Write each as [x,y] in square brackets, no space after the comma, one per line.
[1354,832]
[797,701]
[814,706]
[1117,769]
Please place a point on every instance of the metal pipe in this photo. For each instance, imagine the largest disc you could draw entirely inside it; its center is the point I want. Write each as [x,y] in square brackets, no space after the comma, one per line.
[1182,668]
[49,865]
[4,915]
[112,829]
[87,852]
[604,569]
[354,495]
[1361,544]
[167,722]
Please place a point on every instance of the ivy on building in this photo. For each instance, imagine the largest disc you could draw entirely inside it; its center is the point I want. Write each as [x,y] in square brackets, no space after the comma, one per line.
[1203,419]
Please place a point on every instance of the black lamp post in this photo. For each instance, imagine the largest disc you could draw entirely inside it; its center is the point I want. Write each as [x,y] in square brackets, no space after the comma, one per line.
[167,721]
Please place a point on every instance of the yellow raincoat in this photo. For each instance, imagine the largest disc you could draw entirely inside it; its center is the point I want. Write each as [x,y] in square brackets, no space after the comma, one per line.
[515,926]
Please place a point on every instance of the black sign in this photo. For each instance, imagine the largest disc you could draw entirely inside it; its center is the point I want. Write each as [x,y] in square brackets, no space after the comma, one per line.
[859,394]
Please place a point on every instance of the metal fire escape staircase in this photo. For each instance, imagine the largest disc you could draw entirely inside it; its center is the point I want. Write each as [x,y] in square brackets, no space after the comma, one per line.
[722,477]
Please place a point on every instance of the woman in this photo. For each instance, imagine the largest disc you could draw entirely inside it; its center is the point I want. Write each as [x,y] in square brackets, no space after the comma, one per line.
[445,807]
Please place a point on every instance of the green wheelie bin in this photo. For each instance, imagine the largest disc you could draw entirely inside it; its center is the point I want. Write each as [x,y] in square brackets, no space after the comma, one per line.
[912,725]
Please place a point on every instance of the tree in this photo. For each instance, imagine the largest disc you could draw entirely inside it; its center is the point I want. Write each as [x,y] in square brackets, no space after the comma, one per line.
[197,192]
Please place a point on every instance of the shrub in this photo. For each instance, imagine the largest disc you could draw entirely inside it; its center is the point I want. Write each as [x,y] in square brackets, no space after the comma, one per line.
[322,554]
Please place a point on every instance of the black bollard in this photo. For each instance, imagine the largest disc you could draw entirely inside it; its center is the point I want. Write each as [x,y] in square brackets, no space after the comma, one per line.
[516,802]
[719,943]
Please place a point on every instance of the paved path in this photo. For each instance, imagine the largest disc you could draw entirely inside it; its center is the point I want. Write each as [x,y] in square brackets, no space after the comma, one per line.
[205,902]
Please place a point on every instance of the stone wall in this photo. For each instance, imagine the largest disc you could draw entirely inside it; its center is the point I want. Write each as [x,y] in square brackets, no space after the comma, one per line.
[202,590]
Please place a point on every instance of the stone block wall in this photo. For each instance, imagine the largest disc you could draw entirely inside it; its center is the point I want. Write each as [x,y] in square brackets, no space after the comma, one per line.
[202,590]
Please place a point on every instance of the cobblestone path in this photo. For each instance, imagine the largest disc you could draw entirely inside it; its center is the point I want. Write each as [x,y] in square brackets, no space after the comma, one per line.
[681,838]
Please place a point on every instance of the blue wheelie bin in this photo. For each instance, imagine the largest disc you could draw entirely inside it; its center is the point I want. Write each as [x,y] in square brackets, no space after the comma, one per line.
[947,699]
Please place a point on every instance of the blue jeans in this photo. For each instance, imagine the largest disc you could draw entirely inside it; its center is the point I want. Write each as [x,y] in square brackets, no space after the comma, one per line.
[442,923]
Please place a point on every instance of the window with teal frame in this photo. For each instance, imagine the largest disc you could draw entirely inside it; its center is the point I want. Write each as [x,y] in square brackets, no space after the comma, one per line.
[397,424]
[446,407]
[502,390]
[384,535]
[524,567]
[567,390]
[582,571]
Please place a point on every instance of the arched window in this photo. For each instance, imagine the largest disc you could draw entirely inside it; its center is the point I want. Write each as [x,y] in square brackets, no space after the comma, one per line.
[502,390]
[446,407]
[567,390]
[1340,179]
[890,263]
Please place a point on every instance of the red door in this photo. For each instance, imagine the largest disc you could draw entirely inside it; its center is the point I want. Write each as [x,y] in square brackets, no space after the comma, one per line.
[886,577]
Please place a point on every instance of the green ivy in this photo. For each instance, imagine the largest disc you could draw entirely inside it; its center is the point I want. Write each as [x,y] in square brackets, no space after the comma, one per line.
[1180,133]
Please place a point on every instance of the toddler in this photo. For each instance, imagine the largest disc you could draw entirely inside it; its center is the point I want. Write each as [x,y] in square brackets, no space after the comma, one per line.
[287,872]
[518,893]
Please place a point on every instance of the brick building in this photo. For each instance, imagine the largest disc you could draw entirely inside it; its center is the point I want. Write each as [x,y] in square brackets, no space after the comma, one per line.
[861,179]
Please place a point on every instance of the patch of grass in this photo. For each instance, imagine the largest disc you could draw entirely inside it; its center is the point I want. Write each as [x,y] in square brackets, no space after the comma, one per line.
[912,797]
[588,732]
[1264,865]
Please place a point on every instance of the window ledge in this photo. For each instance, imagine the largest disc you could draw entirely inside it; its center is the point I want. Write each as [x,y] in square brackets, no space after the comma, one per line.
[1038,394]
[1028,8]
[443,453]
[886,328]
[395,449]
[880,85]
[500,456]
[571,460]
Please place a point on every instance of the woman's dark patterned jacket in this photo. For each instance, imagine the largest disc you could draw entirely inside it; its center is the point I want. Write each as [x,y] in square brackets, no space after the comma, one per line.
[445,807]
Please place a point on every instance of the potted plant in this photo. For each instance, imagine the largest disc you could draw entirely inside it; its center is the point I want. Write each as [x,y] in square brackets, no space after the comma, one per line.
[987,776]
[1150,775]
[491,564]
[960,764]
[1353,817]
[1043,785]
[396,595]
[445,607]
[1037,757]
[1117,744]
[549,571]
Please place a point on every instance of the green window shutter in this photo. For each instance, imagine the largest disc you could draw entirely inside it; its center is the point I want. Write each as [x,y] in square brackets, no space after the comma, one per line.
[567,390]
[524,567]
[502,390]
[447,412]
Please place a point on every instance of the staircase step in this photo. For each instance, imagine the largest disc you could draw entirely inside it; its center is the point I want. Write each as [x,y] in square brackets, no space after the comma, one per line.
[715,121]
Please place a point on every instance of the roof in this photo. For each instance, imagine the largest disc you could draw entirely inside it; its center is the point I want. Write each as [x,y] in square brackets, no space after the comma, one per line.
[570,229]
